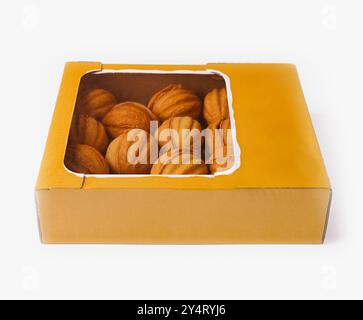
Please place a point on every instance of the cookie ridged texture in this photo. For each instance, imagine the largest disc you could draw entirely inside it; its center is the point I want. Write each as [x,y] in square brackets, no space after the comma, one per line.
[81,158]
[223,137]
[165,165]
[175,101]
[216,106]
[89,131]
[227,162]
[117,154]
[220,146]
[180,132]
[97,103]
[126,116]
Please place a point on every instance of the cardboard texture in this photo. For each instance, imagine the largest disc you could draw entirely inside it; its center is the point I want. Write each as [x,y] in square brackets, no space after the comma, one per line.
[279,193]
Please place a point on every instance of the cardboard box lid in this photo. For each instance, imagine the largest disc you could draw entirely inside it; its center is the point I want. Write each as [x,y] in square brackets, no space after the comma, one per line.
[278,145]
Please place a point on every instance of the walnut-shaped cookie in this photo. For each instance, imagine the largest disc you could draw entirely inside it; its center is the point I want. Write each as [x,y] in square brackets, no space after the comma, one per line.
[175,101]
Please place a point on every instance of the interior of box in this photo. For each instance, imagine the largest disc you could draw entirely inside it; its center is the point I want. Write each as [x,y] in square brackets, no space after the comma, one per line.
[139,87]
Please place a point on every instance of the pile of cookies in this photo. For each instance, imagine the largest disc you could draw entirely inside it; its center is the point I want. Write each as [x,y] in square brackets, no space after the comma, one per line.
[99,139]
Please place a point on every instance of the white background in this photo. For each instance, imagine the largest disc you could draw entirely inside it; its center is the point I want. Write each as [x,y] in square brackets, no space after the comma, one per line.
[324,39]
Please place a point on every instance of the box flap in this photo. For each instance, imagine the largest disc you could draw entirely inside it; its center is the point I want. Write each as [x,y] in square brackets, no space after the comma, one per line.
[52,173]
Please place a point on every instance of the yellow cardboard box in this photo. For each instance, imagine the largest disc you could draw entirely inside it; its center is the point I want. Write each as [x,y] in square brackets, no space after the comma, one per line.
[278,191]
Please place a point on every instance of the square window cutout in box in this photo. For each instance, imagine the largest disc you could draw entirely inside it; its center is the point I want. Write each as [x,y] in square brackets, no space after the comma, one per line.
[146,123]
